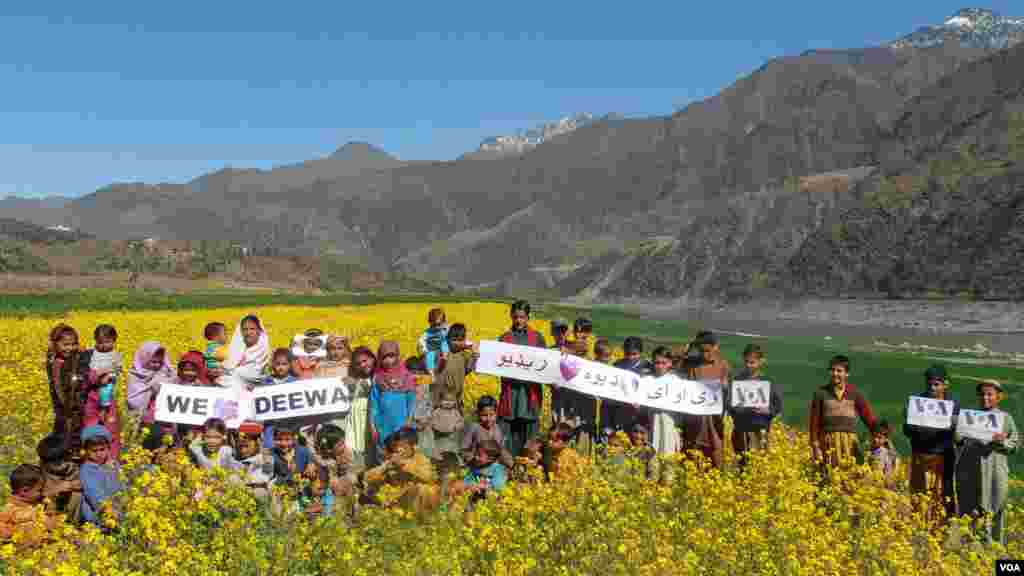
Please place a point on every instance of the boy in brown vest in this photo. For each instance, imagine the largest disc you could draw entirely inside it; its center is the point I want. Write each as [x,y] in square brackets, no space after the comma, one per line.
[835,408]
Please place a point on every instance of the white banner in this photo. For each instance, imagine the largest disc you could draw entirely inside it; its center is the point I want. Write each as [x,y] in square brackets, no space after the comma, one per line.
[669,392]
[301,398]
[930,412]
[979,424]
[194,405]
[751,394]
[519,362]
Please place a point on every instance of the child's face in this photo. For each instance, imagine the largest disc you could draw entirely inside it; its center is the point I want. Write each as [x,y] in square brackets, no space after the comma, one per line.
[98,452]
[989,397]
[365,364]
[937,387]
[221,337]
[632,355]
[157,361]
[532,452]
[604,355]
[662,365]
[188,372]
[334,352]
[250,333]
[310,345]
[284,441]
[638,437]
[753,362]
[483,458]
[213,439]
[879,439]
[556,442]
[33,494]
[389,361]
[709,352]
[105,344]
[402,450]
[457,344]
[520,319]
[66,345]
[438,322]
[280,367]
[248,445]
[839,375]
[487,417]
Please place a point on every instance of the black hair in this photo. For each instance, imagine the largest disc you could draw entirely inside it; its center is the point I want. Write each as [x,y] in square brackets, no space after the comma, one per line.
[486,401]
[839,360]
[753,350]
[521,306]
[662,352]
[633,344]
[251,318]
[51,449]
[405,434]
[105,331]
[287,353]
[25,476]
[284,429]
[213,329]
[457,331]
[96,441]
[706,338]
[217,425]
[582,324]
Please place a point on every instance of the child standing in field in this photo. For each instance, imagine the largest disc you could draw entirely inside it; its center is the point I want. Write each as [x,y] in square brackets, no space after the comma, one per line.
[105,366]
[447,390]
[338,360]
[619,416]
[521,403]
[216,335]
[982,472]
[20,517]
[576,409]
[68,375]
[751,426]
[150,369]
[359,383]
[280,373]
[835,408]
[664,432]
[560,334]
[307,351]
[705,434]
[884,457]
[933,454]
[393,395]
[434,341]
[99,479]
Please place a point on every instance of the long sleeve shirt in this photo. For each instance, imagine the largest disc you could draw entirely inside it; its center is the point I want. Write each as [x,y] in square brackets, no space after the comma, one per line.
[746,419]
[838,413]
[99,484]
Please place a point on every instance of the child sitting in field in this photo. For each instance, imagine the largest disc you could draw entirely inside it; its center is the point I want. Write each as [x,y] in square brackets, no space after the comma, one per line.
[486,427]
[336,467]
[100,481]
[532,467]
[486,474]
[20,517]
[216,335]
[212,450]
[566,463]
[884,457]
[255,464]
[408,473]
[62,488]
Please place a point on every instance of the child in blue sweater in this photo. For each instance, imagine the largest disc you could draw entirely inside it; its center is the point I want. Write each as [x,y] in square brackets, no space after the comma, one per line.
[99,479]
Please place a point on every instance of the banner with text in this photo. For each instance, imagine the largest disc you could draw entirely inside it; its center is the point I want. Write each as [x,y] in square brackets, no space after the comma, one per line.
[979,424]
[302,398]
[930,412]
[669,392]
[751,394]
[519,362]
[194,405]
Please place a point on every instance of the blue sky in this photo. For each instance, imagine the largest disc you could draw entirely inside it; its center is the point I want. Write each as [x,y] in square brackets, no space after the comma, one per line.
[101,92]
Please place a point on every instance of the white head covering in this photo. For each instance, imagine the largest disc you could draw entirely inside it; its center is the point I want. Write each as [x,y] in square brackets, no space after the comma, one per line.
[240,355]
[299,349]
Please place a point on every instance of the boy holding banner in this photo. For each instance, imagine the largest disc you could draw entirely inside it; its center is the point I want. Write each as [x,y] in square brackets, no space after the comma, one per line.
[931,442]
[520,403]
[705,433]
[988,435]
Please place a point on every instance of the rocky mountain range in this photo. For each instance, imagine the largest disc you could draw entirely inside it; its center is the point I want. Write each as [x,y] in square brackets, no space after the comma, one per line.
[975,27]
[892,170]
[528,139]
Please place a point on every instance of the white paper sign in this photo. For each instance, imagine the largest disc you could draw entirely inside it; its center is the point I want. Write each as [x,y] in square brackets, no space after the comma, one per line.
[675,394]
[930,412]
[301,398]
[598,379]
[194,405]
[519,362]
[751,394]
[979,424]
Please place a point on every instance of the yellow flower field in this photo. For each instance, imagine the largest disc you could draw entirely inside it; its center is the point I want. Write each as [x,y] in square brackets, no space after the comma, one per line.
[776,518]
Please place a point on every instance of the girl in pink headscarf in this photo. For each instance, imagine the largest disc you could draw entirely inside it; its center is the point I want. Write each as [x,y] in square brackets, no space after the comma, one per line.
[150,368]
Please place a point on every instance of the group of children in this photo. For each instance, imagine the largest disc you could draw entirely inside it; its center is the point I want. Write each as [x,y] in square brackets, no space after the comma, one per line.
[411,444]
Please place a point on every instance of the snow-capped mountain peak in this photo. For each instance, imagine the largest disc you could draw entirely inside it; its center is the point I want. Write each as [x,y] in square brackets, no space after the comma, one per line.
[526,139]
[975,27]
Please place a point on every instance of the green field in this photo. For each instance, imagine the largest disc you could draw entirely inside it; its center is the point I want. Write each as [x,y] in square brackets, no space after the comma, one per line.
[798,364]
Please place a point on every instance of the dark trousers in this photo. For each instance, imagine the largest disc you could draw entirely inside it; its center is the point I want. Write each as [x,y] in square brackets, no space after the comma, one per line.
[517,432]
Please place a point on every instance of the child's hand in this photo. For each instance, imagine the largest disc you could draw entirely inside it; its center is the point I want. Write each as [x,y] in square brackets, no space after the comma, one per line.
[999,437]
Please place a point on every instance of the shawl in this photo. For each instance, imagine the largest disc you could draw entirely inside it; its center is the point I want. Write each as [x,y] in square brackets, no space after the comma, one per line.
[197,359]
[397,378]
[141,379]
[240,355]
